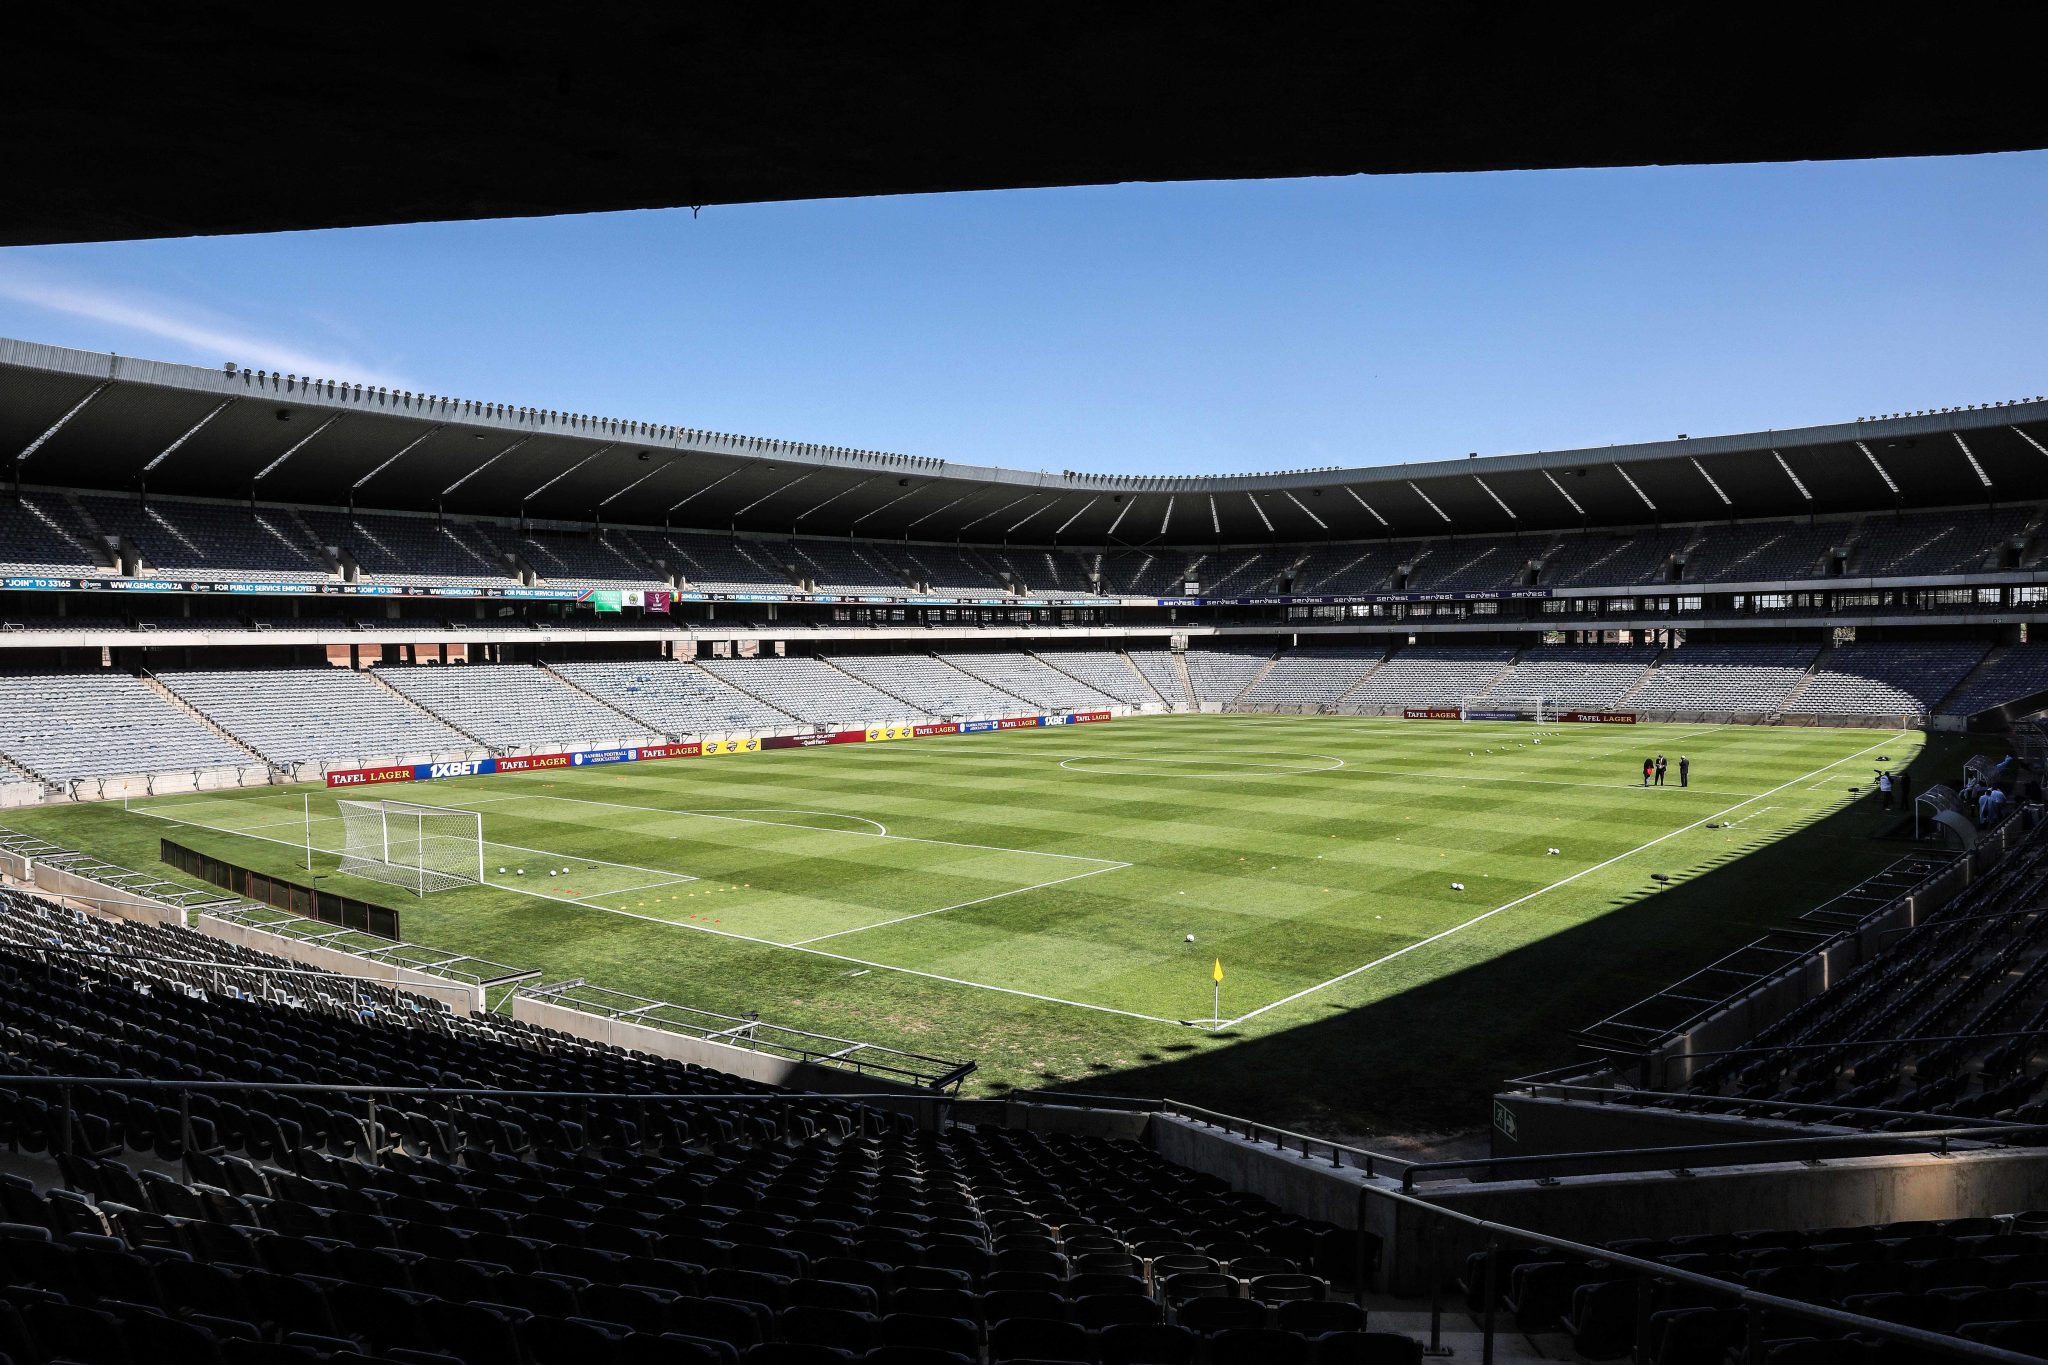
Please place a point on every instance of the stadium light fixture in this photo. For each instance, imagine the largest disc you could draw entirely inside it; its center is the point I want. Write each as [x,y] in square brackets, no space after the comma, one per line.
[1636,486]
[1071,520]
[295,448]
[1121,513]
[943,506]
[1366,505]
[1034,513]
[1796,481]
[1497,500]
[556,478]
[707,487]
[1726,501]
[2029,440]
[1215,521]
[394,459]
[1970,455]
[1305,510]
[1431,501]
[857,484]
[190,432]
[1882,472]
[33,446]
[485,465]
[1167,519]
[773,492]
[907,492]
[1263,518]
[633,485]
[997,512]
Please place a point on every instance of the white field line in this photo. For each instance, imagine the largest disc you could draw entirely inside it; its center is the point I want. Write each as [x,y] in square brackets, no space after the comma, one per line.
[763,942]
[1760,810]
[783,824]
[1523,900]
[883,924]
[675,879]
[335,819]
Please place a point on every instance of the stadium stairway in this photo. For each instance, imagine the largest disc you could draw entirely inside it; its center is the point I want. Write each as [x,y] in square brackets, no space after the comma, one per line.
[1363,680]
[1625,698]
[1187,684]
[308,536]
[1969,680]
[1256,678]
[863,682]
[740,687]
[1814,668]
[374,676]
[171,698]
[108,548]
[1139,674]
[990,682]
[618,711]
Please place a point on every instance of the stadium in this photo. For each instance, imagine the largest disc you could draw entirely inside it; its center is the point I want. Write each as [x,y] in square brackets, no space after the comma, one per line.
[487,882]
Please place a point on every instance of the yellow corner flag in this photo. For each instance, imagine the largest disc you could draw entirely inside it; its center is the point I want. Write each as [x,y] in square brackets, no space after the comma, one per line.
[1217,975]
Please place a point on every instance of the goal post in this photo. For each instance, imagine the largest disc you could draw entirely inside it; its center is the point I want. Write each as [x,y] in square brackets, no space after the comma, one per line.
[421,848]
[1531,708]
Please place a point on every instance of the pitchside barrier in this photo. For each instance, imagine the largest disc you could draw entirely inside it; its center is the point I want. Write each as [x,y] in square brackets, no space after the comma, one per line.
[305,901]
[714,748]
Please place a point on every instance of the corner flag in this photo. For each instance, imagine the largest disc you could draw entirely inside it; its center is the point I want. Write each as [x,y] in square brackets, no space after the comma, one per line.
[1216,994]
[1217,975]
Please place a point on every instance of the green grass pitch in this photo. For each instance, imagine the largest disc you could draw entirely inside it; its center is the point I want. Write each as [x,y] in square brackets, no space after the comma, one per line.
[1025,898]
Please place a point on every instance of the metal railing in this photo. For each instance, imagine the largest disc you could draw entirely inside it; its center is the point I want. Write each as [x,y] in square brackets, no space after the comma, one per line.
[1688,1104]
[1680,1159]
[1757,1307]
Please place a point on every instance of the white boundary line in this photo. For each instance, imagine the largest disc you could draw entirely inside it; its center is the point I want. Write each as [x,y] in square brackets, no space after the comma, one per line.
[883,924]
[814,829]
[768,942]
[1523,900]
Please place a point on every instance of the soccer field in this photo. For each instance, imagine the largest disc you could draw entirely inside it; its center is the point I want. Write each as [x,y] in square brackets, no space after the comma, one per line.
[1027,898]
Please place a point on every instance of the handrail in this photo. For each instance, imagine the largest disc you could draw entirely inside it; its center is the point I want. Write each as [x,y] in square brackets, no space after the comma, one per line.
[1368,1161]
[1535,1085]
[1369,1189]
[1761,1303]
[1654,1157]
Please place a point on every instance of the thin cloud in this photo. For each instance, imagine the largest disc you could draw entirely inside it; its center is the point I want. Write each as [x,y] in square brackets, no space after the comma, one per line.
[218,341]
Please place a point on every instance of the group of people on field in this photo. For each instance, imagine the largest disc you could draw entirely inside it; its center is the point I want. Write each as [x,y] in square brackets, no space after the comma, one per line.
[1655,768]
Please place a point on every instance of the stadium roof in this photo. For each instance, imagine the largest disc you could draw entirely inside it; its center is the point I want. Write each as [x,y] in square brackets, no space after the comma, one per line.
[187,121]
[85,419]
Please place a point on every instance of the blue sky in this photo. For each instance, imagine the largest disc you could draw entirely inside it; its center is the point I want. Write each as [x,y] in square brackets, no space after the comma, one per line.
[1203,328]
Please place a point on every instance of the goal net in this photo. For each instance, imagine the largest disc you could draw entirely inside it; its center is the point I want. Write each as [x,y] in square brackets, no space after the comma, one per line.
[421,848]
[1537,709]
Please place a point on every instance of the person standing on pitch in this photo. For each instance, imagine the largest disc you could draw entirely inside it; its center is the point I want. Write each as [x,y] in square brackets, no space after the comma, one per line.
[1684,771]
[1649,768]
[1884,789]
[1660,770]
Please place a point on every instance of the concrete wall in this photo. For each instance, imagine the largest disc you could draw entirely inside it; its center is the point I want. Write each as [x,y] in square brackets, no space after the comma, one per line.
[1544,1125]
[459,996]
[1839,1193]
[55,881]
[736,1061]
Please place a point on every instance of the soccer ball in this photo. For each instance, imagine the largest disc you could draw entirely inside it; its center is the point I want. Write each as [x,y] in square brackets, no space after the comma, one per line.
[1191,938]
[520,873]
[501,871]
[1457,886]
[553,873]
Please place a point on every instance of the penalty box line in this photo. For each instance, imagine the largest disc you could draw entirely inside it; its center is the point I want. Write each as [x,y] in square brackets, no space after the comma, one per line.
[982,900]
[767,942]
[249,832]
[814,829]
[1523,900]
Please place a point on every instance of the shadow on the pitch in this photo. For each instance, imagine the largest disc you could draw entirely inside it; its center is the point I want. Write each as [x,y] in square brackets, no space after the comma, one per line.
[1424,1061]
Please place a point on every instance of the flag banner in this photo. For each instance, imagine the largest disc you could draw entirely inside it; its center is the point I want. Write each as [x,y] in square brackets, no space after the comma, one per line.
[602,602]
[632,597]
[659,599]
